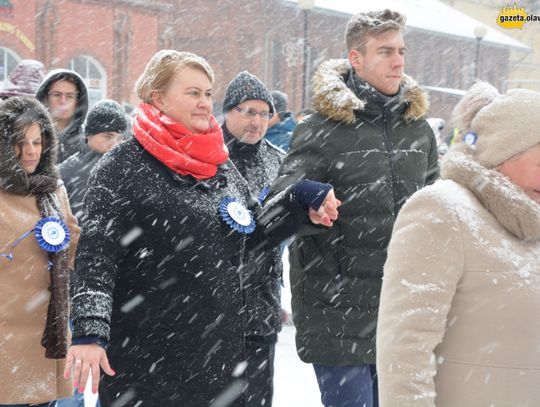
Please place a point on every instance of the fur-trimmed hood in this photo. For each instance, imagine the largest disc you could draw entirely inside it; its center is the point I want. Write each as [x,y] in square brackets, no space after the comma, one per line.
[514,210]
[332,97]
[13,178]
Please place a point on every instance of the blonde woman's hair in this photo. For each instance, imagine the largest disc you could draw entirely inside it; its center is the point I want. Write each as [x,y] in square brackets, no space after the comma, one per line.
[162,67]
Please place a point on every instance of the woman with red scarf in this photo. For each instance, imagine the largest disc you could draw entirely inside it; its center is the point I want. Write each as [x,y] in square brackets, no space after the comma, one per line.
[166,219]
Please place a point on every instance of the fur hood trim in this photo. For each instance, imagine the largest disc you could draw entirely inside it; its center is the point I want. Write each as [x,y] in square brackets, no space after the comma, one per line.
[332,97]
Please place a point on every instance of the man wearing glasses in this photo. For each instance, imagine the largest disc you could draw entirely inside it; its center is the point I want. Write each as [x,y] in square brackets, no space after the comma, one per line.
[247,107]
[64,94]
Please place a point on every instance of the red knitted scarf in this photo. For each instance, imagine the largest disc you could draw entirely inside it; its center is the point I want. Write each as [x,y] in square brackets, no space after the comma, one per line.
[187,153]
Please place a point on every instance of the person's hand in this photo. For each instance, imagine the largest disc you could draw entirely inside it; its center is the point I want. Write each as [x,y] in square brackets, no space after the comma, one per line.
[327,213]
[83,358]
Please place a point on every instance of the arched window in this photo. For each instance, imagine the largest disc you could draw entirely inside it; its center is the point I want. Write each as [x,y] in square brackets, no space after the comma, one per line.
[94,77]
[8,61]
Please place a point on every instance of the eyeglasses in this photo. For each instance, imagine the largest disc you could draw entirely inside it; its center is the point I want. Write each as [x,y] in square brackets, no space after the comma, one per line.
[250,113]
[59,95]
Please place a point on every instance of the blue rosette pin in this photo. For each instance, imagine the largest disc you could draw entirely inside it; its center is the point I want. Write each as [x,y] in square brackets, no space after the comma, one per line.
[52,234]
[236,215]
[470,138]
[263,194]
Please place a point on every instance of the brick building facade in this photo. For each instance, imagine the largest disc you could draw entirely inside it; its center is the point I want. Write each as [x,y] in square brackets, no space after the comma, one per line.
[110,41]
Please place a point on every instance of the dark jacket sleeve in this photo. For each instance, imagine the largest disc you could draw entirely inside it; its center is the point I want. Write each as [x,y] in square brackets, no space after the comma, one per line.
[305,160]
[277,220]
[285,213]
[98,255]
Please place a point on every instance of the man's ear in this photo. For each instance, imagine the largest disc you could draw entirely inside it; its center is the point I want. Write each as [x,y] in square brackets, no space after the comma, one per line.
[356,59]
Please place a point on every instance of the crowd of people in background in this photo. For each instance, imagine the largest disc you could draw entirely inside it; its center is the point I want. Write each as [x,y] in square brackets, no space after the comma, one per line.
[147,246]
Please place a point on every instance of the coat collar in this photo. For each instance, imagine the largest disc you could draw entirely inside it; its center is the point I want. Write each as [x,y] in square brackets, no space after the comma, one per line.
[237,148]
[333,99]
[512,208]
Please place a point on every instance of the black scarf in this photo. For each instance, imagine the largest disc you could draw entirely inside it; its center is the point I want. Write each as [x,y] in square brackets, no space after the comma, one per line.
[239,152]
[54,337]
[364,91]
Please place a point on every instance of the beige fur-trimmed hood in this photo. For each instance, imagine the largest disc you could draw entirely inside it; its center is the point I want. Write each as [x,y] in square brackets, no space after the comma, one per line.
[332,97]
[514,210]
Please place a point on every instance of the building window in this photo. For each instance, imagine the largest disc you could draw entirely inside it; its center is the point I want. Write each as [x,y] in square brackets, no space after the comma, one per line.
[8,61]
[94,77]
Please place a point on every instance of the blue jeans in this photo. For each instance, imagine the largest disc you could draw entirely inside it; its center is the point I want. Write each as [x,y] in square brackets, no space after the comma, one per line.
[347,386]
[76,401]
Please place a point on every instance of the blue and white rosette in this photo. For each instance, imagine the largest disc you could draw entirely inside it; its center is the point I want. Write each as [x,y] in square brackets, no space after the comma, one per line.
[236,215]
[470,138]
[52,234]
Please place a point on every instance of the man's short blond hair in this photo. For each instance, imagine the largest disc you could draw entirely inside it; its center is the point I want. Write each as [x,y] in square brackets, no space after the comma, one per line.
[162,67]
[371,24]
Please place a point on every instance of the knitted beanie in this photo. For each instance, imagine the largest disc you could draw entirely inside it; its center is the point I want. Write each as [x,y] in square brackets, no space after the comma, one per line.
[106,116]
[498,126]
[280,101]
[246,86]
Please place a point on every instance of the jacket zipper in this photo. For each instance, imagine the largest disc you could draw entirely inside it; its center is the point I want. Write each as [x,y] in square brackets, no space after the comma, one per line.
[390,152]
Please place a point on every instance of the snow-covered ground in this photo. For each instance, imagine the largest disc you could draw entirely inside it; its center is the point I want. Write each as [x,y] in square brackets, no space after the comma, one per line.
[294,381]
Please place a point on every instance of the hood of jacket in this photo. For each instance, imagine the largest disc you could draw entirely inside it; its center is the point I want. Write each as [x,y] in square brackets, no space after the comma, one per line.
[332,98]
[82,96]
[512,208]
[12,176]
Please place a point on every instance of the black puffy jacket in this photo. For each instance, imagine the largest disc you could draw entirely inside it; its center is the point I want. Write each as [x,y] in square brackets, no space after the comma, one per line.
[376,151]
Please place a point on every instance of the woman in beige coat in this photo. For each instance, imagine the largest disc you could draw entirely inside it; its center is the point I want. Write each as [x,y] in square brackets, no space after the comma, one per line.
[38,235]
[459,321]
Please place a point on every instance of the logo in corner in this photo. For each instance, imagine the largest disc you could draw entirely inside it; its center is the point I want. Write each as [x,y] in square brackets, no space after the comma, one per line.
[512,17]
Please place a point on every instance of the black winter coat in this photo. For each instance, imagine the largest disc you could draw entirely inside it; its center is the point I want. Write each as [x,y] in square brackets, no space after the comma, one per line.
[155,243]
[376,152]
[75,172]
[263,270]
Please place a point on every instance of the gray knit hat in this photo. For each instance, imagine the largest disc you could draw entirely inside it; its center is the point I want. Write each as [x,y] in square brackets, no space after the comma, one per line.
[246,86]
[106,116]
[498,126]
[280,101]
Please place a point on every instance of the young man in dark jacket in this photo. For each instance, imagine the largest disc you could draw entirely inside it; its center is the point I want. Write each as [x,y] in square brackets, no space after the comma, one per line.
[368,139]
[64,94]
[104,126]
[248,107]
